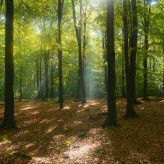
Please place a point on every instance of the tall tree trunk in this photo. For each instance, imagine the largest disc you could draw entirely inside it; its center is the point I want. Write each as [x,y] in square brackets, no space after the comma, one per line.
[20,56]
[163,62]
[126,48]
[146,34]
[104,46]
[111,119]
[130,112]
[46,74]
[52,81]
[20,83]
[123,75]
[40,75]
[9,120]
[37,77]
[60,8]
[81,83]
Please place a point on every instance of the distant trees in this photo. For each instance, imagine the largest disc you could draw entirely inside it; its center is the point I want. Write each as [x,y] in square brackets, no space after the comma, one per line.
[75,30]
[9,120]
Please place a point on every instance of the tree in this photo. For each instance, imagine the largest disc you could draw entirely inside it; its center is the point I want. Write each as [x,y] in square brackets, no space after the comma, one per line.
[9,120]
[60,8]
[78,30]
[130,44]
[111,119]
[46,60]
[147,4]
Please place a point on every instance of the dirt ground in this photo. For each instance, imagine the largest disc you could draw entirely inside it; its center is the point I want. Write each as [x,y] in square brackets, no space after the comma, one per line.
[48,135]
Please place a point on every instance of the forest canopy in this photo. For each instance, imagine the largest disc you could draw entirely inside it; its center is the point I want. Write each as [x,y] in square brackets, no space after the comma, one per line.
[36,44]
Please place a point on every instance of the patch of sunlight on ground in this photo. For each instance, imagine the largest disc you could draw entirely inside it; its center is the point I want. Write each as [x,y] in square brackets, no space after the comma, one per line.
[4,142]
[50,129]
[83,150]
[7,146]
[95,131]
[67,107]
[30,122]
[58,137]
[29,145]
[22,133]
[86,105]
[45,121]
[41,160]
[35,113]
[77,122]
[92,102]
[28,107]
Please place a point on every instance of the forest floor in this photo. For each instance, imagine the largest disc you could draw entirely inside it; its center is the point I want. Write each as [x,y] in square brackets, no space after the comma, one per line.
[46,135]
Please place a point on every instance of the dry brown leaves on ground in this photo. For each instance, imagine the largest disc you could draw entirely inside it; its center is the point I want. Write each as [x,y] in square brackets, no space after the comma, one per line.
[74,135]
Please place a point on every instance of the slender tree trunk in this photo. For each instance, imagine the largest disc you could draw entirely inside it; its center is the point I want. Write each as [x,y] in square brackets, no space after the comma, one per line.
[104,46]
[163,62]
[123,75]
[20,73]
[84,45]
[9,120]
[111,119]
[20,84]
[60,8]
[37,77]
[130,112]
[81,83]
[84,39]
[146,35]
[52,81]
[46,74]
[145,74]
[40,76]
[126,48]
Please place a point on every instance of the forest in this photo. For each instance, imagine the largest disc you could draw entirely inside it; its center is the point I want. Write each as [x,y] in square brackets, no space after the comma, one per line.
[81,81]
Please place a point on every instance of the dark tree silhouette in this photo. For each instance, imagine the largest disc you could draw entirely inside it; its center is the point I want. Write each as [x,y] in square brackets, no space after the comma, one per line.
[46,60]
[60,9]
[130,43]
[81,85]
[111,119]
[8,120]
[147,4]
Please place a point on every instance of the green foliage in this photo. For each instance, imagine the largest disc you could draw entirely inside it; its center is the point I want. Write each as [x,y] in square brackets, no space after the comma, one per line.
[35,32]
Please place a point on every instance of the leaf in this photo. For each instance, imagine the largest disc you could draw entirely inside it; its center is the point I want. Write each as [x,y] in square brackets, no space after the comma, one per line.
[68,143]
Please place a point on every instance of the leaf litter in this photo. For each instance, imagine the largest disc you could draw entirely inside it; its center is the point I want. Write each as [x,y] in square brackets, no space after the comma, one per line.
[46,134]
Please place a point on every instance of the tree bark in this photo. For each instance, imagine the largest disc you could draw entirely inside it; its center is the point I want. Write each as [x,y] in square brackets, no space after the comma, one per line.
[111,119]
[9,120]
[52,81]
[60,99]
[123,76]
[104,47]
[20,83]
[40,76]
[131,94]
[146,42]
[46,74]
[81,83]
